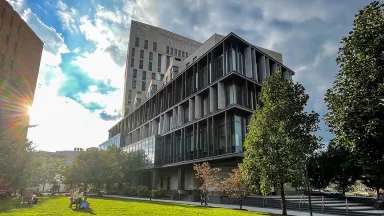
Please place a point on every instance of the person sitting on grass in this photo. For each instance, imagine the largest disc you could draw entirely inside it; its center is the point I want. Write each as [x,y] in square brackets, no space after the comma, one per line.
[78,196]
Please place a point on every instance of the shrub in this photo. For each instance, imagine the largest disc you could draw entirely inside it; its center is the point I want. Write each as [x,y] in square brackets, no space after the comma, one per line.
[143,191]
[160,192]
[130,191]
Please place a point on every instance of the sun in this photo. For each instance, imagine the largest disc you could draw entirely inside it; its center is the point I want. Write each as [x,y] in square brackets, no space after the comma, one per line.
[29,110]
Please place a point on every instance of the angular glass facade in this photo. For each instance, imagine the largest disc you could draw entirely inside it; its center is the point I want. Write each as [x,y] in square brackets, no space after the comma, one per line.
[114,141]
[204,110]
[147,147]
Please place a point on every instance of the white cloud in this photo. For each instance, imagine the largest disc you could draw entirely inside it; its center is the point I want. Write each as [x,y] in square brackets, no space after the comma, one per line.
[67,16]
[64,124]
[18,5]
[54,46]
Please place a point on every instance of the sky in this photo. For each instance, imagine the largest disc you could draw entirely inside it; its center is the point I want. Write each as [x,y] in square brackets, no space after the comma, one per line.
[80,86]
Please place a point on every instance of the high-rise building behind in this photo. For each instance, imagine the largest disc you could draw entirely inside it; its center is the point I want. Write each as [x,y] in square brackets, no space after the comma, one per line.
[150,51]
[20,55]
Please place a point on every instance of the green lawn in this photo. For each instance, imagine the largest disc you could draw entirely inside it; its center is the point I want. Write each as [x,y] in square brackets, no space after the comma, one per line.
[106,206]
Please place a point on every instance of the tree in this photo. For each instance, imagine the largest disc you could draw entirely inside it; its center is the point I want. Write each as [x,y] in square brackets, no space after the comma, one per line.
[46,168]
[334,165]
[114,158]
[235,186]
[320,170]
[344,168]
[280,135]
[90,167]
[355,101]
[208,178]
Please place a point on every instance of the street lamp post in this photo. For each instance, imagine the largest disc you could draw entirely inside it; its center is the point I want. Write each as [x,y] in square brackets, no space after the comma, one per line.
[309,190]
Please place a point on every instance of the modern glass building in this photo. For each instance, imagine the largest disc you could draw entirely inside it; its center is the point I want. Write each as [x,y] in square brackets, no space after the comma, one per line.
[201,114]
[114,141]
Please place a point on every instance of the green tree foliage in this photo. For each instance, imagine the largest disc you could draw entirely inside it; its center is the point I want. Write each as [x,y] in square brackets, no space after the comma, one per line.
[46,168]
[90,167]
[335,165]
[15,160]
[108,166]
[320,170]
[281,135]
[344,168]
[356,99]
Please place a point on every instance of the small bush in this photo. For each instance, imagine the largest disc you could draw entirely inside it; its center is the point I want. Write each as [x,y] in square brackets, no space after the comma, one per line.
[160,192]
[143,191]
[130,191]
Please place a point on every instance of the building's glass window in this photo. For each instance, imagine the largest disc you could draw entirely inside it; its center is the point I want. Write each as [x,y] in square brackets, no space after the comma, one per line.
[205,106]
[161,76]
[231,94]
[132,62]
[167,49]
[153,76]
[186,54]
[168,61]
[133,84]
[146,44]
[138,101]
[171,51]
[141,64]
[175,53]
[144,77]
[190,142]
[150,66]
[186,113]
[233,59]
[133,52]
[138,92]
[154,46]
[137,42]
[150,56]
[203,140]
[129,95]
[143,83]
[182,54]
[237,134]
[134,74]
[141,54]
[179,53]
[158,63]
[221,135]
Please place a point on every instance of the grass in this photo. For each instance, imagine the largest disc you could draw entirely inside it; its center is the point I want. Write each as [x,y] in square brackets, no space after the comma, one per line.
[109,206]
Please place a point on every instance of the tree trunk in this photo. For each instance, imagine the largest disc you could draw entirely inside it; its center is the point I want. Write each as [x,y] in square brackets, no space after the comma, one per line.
[241,203]
[283,204]
[17,183]
[343,190]
[378,192]
[43,186]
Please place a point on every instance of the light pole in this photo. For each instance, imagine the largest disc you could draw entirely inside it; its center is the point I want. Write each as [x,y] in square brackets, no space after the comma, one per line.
[308,188]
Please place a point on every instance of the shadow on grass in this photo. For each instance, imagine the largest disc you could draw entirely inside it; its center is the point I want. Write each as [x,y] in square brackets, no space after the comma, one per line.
[15,203]
[192,206]
[88,210]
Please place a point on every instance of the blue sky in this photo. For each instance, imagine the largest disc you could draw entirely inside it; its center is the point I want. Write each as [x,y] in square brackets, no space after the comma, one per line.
[81,77]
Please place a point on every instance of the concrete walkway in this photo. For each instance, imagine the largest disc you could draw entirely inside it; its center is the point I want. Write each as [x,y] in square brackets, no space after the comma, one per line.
[249,208]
